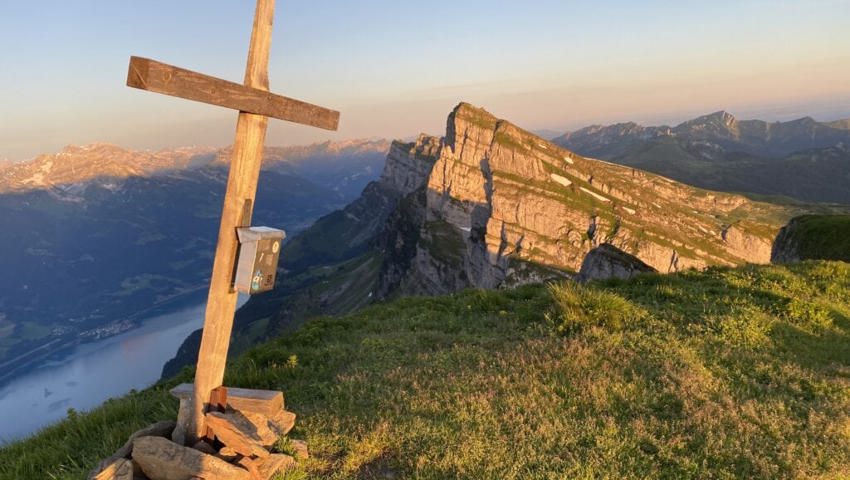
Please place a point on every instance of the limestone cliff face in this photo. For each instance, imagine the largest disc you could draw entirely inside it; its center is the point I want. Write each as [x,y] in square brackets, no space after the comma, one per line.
[351,231]
[499,199]
[409,164]
[786,247]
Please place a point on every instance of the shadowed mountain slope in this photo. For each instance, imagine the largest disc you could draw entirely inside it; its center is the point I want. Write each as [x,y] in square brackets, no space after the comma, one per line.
[97,238]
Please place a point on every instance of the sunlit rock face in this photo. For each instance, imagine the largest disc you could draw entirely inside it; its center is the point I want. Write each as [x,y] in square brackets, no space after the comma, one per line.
[501,203]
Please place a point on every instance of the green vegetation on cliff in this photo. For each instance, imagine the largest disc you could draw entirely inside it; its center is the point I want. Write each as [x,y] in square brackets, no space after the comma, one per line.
[727,373]
[817,237]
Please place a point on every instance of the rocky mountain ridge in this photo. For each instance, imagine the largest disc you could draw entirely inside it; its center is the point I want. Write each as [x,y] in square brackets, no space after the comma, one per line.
[803,159]
[813,237]
[500,199]
[719,131]
[76,166]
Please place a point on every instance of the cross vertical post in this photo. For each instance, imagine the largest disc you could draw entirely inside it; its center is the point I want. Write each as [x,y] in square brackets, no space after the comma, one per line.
[255,105]
[236,211]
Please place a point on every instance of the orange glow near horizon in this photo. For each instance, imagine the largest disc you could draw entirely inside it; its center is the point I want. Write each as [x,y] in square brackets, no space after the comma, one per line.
[546,64]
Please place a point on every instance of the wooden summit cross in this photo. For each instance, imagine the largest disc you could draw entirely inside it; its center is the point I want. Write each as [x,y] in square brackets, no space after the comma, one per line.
[255,105]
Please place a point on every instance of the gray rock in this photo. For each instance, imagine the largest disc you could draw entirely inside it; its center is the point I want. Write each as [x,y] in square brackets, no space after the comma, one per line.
[608,261]
[786,247]
[159,429]
[162,459]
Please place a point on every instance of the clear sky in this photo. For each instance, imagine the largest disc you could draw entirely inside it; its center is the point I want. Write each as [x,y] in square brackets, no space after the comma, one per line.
[395,68]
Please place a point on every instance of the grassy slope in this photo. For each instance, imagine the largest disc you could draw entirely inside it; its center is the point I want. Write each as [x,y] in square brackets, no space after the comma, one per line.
[823,236]
[739,373]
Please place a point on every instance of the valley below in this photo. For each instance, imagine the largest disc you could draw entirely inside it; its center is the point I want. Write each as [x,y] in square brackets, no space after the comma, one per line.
[81,377]
[97,239]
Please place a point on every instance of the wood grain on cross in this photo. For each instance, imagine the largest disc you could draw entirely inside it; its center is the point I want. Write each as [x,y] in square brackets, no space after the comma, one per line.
[256,105]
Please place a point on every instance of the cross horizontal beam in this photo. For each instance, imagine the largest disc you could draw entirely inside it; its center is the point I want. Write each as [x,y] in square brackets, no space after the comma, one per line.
[147,74]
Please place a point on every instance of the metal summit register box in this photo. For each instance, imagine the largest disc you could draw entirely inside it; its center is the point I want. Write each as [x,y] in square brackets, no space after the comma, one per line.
[259,248]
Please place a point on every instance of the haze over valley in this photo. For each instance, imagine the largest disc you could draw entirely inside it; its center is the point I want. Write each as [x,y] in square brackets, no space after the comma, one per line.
[97,238]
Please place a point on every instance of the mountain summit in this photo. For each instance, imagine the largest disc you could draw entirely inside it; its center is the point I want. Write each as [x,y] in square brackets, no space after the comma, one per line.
[490,204]
[500,201]
[718,122]
[75,165]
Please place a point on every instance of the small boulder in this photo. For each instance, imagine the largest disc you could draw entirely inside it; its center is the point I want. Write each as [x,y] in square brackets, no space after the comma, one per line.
[608,261]
[159,429]
[273,464]
[282,422]
[235,432]
[261,426]
[162,459]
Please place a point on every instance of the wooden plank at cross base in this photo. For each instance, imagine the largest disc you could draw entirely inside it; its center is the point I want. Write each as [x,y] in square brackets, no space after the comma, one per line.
[154,76]
[265,402]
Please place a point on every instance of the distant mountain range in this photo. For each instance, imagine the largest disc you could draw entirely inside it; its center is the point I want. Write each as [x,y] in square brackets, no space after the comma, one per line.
[97,237]
[490,205]
[802,159]
[345,167]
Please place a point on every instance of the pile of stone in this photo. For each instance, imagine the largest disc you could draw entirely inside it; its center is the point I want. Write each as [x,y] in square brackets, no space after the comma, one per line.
[243,428]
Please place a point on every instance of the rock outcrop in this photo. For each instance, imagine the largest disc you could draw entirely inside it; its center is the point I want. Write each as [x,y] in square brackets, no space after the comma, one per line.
[498,196]
[350,231]
[608,261]
[242,426]
[409,164]
[786,247]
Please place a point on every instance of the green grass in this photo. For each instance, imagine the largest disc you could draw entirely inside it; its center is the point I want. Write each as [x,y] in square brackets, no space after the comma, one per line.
[727,373]
[823,237]
[32,331]
[444,242]
[476,116]
[582,307]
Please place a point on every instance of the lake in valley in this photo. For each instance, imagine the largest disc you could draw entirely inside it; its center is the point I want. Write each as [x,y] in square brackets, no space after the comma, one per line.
[83,377]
